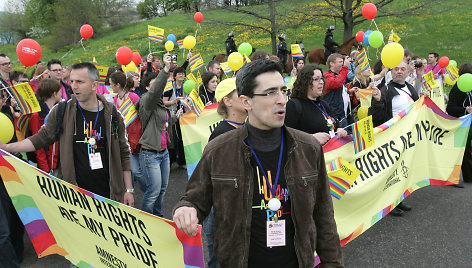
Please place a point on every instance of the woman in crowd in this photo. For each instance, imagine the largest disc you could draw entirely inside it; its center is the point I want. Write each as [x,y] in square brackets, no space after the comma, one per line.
[48,93]
[207,89]
[460,104]
[137,88]
[122,86]
[299,63]
[306,103]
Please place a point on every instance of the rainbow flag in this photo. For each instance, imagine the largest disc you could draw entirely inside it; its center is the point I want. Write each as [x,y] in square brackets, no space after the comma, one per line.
[296,50]
[393,37]
[362,60]
[363,134]
[427,87]
[196,63]
[199,79]
[341,176]
[169,85]
[452,72]
[195,102]
[103,71]
[246,60]
[128,111]
[25,98]
[22,123]
[225,67]
[430,81]
[155,34]
[180,43]
[186,104]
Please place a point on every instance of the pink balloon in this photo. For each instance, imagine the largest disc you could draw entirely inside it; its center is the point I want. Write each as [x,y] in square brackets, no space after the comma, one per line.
[124,55]
[198,17]
[28,52]
[86,31]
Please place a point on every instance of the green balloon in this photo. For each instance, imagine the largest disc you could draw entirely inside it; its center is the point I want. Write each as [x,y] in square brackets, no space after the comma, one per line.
[464,83]
[376,39]
[189,85]
[245,48]
[453,63]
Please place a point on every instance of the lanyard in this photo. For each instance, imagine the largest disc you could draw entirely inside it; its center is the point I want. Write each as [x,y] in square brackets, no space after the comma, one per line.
[325,114]
[96,118]
[178,91]
[274,187]
[236,123]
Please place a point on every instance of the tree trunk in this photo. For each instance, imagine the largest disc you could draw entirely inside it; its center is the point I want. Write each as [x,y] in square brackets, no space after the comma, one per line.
[347,20]
[273,27]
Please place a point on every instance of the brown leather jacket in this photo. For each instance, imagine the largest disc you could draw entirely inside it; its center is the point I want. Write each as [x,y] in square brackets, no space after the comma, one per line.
[224,179]
[118,146]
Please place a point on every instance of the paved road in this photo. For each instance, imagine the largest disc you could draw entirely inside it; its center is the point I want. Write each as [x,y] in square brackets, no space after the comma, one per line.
[433,234]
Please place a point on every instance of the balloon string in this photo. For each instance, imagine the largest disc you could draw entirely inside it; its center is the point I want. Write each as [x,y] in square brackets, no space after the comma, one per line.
[82,43]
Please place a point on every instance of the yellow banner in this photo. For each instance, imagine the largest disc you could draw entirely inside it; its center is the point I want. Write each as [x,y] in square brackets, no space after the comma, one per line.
[102,71]
[420,146]
[363,134]
[296,50]
[89,230]
[155,34]
[429,78]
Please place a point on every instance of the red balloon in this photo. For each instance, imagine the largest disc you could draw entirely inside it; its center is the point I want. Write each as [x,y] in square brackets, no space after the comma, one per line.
[28,52]
[198,17]
[136,58]
[443,62]
[86,31]
[124,55]
[360,36]
[369,11]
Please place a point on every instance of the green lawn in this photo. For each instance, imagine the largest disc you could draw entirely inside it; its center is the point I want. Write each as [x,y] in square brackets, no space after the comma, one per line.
[446,32]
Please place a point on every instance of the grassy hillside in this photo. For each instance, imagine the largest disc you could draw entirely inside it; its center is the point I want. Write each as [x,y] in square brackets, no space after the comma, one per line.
[445,32]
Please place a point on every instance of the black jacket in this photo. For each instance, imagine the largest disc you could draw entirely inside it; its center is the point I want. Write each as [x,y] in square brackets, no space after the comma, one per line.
[381,111]
[329,43]
[458,100]
[230,46]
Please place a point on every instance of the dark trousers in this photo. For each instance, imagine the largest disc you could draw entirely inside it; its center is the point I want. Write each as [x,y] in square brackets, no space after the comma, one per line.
[177,153]
[467,161]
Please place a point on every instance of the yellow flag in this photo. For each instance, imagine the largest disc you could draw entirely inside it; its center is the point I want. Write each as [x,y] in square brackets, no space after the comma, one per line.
[94,60]
[296,50]
[155,34]
[429,78]
[363,134]
[103,71]
[196,103]
[393,37]
[341,176]
[25,98]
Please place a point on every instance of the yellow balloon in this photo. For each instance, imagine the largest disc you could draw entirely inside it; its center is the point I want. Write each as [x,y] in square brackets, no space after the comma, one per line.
[169,45]
[189,42]
[235,61]
[362,112]
[392,55]
[7,128]
[130,67]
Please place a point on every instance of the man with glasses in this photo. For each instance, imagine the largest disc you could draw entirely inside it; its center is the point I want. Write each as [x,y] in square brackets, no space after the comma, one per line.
[55,72]
[5,68]
[267,184]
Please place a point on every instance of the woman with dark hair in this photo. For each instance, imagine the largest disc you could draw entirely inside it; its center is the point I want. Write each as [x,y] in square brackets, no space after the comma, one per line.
[306,111]
[460,104]
[207,89]
[298,64]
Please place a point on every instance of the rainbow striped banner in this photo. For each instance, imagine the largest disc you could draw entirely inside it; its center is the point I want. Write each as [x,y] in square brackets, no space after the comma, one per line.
[393,37]
[25,98]
[389,169]
[22,123]
[363,134]
[180,43]
[341,176]
[128,111]
[155,34]
[102,71]
[196,63]
[296,50]
[90,230]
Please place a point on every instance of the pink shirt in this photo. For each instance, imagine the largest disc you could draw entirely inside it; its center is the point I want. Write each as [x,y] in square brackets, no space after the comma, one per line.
[102,89]
[437,71]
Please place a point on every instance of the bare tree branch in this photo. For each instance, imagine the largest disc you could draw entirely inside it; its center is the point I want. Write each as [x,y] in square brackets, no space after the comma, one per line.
[247,12]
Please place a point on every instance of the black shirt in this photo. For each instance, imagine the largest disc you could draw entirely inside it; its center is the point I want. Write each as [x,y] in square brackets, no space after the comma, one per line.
[97,180]
[259,254]
[307,116]
[221,128]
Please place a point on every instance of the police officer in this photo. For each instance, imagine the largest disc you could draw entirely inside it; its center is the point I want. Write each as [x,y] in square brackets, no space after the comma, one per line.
[329,44]
[282,51]
[230,45]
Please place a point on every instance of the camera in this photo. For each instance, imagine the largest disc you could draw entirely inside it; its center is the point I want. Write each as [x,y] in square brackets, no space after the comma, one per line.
[418,64]
[173,57]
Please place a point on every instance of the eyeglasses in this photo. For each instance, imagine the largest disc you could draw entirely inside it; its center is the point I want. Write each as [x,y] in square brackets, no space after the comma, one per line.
[274,93]
[5,64]
[57,70]
[23,81]
[318,79]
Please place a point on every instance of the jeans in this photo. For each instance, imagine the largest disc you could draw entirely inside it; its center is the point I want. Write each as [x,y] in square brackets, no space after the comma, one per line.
[208,225]
[155,169]
[136,172]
